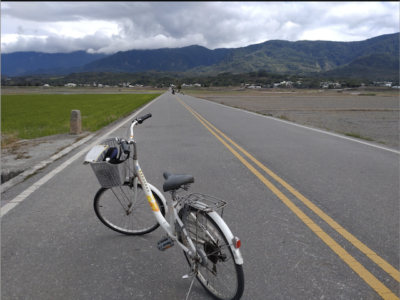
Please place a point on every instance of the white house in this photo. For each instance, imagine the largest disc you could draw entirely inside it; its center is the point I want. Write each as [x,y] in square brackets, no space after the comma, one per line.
[100,85]
[46,86]
[70,84]
[383,83]
[197,84]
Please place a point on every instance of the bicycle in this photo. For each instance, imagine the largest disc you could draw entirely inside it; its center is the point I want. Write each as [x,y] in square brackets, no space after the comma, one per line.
[210,248]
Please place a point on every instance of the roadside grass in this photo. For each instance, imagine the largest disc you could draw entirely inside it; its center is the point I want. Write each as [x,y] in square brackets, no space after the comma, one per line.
[284,117]
[367,94]
[33,116]
[8,139]
[358,136]
[62,148]
[29,176]
[22,155]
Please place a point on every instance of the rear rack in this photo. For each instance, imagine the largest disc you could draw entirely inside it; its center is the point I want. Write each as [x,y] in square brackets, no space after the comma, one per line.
[203,202]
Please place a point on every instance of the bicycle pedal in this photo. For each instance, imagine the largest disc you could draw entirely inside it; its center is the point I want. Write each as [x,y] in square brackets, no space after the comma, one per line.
[164,244]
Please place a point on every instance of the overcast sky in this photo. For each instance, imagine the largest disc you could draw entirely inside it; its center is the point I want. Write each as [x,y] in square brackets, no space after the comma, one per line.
[108,27]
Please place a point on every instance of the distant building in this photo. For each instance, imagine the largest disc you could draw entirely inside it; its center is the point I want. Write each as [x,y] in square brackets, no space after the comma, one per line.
[46,86]
[70,84]
[100,85]
[326,85]
[197,84]
[383,83]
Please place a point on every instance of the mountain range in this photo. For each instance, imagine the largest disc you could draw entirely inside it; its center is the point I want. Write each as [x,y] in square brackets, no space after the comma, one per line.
[24,63]
[376,57]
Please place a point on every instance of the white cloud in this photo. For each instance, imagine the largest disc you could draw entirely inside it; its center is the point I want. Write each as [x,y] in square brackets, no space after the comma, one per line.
[119,26]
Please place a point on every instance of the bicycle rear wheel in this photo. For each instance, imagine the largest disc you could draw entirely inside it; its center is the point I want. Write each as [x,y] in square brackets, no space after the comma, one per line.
[221,277]
[112,208]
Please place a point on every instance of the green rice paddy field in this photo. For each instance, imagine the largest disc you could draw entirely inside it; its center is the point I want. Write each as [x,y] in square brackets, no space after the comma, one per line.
[33,116]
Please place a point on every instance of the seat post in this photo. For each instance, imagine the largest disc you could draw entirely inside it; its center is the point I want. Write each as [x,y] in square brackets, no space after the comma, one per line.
[173,194]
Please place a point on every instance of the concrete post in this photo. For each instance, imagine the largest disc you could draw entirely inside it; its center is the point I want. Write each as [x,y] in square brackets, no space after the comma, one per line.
[76,122]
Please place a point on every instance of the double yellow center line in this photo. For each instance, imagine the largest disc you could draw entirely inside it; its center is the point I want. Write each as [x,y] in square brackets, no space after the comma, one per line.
[370,279]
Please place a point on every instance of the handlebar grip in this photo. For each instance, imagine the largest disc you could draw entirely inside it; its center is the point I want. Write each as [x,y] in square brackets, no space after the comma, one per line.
[141,119]
[125,147]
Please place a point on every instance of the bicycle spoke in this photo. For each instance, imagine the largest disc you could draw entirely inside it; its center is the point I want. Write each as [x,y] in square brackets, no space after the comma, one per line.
[219,278]
[114,208]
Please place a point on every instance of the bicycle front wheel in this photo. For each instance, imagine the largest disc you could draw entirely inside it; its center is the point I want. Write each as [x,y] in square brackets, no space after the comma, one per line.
[119,210]
[221,276]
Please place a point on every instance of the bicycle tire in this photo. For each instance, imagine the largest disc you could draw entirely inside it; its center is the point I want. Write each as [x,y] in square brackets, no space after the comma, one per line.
[111,205]
[215,276]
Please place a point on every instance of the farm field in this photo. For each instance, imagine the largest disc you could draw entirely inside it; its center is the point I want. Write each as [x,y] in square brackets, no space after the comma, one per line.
[369,114]
[32,116]
[22,90]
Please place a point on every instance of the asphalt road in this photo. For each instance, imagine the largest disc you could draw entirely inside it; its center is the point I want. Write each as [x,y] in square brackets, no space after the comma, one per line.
[318,216]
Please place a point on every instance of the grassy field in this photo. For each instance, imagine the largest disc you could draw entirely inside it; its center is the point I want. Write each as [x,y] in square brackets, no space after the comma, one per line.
[33,116]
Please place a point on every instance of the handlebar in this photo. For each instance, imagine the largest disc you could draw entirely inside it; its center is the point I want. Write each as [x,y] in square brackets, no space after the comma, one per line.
[141,119]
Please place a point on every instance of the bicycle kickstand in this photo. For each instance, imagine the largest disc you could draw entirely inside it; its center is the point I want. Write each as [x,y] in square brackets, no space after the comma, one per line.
[190,288]
[193,276]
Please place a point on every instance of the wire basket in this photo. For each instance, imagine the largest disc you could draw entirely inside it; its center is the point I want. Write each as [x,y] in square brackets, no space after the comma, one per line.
[203,202]
[110,175]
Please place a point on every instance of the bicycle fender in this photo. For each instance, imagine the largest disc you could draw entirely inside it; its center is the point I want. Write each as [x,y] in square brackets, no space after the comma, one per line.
[228,235]
[158,193]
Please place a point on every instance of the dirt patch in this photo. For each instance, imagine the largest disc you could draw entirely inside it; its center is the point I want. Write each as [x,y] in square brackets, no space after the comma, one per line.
[374,118]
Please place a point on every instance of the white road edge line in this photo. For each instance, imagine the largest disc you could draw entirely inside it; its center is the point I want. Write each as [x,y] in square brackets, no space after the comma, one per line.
[22,196]
[310,128]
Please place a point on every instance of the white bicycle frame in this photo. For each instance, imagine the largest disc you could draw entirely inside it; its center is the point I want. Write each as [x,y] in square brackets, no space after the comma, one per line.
[174,207]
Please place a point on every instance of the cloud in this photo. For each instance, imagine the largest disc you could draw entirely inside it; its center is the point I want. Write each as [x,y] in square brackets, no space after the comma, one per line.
[109,27]
[55,44]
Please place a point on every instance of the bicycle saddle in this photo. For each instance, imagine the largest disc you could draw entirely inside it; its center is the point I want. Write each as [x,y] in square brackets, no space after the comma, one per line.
[174,182]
